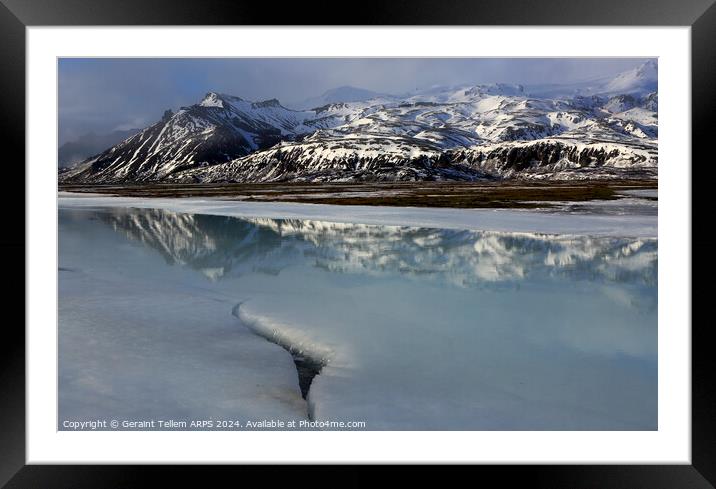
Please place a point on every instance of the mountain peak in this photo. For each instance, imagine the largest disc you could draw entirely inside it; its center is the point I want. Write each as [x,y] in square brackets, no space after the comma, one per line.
[212,99]
[650,69]
[266,103]
[640,79]
[343,94]
[215,99]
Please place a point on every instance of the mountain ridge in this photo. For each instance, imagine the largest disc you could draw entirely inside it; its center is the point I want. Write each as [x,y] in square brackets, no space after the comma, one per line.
[457,133]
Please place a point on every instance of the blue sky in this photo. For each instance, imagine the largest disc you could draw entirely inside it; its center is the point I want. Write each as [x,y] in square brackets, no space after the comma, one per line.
[106,94]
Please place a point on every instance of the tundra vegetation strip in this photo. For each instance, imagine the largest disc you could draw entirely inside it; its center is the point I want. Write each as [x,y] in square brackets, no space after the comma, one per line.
[512,194]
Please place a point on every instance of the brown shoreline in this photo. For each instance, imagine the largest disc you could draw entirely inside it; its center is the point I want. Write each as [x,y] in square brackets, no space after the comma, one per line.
[504,194]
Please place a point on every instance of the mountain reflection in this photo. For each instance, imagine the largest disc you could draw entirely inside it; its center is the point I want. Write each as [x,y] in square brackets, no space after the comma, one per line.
[221,246]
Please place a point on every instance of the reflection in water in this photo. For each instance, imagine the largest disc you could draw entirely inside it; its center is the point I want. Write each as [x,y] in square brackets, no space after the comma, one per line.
[415,328]
[219,246]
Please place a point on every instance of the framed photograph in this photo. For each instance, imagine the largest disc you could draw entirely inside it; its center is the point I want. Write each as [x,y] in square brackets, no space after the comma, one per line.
[428,234]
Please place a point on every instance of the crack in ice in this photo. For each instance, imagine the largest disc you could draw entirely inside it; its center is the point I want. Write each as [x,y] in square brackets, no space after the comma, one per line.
[307,366]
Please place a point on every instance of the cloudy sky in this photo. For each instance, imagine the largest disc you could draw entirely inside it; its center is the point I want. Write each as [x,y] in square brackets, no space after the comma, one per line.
[106,94]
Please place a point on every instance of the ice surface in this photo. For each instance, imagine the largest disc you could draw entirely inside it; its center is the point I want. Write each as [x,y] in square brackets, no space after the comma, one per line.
[410,356]
[419,328]
[140,340]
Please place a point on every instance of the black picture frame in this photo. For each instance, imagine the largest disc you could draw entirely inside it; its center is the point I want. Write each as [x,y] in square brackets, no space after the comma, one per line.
[16,15]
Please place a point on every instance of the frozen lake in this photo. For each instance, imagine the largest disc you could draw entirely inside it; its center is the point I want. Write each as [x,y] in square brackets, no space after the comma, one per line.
[164,314]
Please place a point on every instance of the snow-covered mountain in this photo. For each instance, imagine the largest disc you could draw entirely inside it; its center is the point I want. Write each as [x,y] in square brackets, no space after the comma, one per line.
[639,82]
[217,129]
[608,130]
[340,95]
